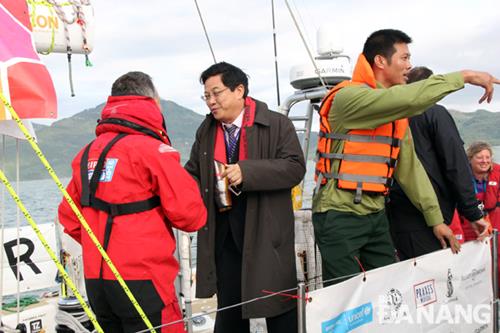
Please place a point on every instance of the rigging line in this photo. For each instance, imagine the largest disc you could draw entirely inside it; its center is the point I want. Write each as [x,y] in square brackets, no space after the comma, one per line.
[301,19]
[331,280]
[66,22]
[18,244]
[205,30]
[277,293]
[275,55]
[305,44]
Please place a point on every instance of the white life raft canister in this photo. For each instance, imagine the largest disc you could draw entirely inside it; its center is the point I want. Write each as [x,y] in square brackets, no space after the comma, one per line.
[48,21]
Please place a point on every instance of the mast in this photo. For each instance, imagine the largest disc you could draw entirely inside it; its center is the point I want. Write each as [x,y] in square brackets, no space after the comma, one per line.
[275,56]
[205,30]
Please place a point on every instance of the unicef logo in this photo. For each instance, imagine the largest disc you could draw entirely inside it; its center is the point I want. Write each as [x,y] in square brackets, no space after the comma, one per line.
[367,311]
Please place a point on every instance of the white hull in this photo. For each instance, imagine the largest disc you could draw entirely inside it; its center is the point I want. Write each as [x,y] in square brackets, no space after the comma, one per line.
[37,318]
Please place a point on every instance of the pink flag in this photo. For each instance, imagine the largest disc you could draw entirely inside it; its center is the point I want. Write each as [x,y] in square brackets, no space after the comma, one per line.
[24,80]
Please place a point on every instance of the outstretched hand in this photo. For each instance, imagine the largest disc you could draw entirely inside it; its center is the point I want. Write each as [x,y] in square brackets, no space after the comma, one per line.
[443,233]
[481,79]
[482,228]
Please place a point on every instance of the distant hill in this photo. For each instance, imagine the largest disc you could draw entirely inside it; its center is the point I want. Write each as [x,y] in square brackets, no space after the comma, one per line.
[479,125]
[62,140]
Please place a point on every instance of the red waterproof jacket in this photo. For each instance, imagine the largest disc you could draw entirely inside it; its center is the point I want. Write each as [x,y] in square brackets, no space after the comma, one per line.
[138,167]
[492,196]
[491,200]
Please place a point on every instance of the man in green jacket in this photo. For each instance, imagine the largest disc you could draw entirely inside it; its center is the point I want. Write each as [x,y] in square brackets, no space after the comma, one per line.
[354,236]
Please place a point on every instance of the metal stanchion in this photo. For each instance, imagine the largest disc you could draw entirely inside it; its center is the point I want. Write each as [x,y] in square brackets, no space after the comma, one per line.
[495,279]
[189,314]
[301,308]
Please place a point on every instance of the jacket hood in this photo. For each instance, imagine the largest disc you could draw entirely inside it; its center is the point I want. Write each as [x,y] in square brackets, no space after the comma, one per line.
[139,110]
[363,72]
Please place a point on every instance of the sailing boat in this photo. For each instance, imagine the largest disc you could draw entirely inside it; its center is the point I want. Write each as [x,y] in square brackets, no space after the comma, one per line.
[28,272]
[307,85]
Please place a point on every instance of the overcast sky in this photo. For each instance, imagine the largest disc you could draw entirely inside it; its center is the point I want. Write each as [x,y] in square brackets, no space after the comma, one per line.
[164,38]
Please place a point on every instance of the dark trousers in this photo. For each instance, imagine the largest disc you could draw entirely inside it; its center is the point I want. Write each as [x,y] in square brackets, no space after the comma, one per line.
[113,324]
[410,233]
[415,243]
[342,237]
[228,263]
[116,314]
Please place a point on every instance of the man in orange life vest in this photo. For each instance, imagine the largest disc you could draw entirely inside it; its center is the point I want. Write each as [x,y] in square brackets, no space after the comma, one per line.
[365,142]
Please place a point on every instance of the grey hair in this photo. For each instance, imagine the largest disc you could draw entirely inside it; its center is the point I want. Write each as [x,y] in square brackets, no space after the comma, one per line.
[134,83]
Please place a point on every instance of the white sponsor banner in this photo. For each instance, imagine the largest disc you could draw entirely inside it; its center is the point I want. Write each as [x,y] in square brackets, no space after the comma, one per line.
[438,292]
[36,269]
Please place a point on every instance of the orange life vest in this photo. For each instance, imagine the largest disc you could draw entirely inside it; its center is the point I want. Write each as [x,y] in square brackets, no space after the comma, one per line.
[369,156]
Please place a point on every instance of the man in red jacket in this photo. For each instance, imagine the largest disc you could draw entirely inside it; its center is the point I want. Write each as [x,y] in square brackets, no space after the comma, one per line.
[132,191]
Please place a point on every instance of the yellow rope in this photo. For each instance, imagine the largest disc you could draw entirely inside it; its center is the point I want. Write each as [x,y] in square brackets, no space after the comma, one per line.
[33,5]
[78,214]
[52,35]
[45,3]
[51,253]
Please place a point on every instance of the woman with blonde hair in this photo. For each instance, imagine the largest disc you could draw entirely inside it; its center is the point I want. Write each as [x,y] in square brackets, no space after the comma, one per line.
[486,183]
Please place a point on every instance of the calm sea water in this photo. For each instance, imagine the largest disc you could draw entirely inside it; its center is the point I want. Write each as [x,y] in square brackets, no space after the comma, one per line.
[40,197]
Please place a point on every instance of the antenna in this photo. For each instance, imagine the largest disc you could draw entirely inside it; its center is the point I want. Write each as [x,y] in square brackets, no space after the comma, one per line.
[331,66]
[329,41]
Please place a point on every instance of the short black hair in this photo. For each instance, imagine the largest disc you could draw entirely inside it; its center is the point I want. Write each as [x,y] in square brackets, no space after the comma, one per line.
[419,73]
[381,42]
[231,76]
[134,83]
